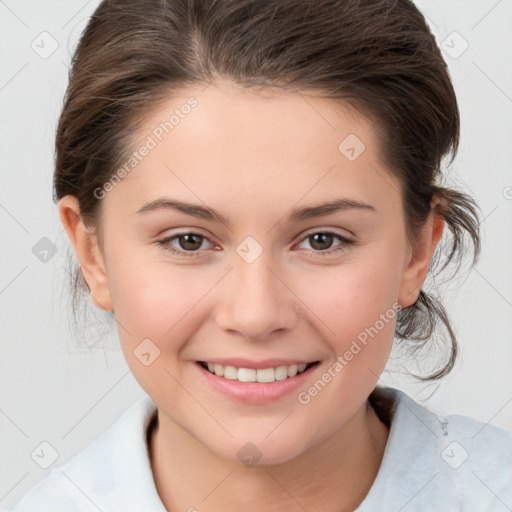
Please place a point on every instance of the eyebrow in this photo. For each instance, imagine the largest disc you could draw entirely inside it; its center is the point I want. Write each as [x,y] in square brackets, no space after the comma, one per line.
[204,212]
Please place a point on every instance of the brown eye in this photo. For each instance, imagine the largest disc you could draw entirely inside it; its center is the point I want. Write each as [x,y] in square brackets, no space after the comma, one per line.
[321,243]
[190,242]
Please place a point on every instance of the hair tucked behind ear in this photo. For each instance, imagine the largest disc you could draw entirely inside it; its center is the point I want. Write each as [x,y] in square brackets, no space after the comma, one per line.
[378,56]
[418,322]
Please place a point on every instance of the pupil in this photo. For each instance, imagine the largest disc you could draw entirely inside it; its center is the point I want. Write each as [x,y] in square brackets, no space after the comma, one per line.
[190,245]
[320,241]
[323,237]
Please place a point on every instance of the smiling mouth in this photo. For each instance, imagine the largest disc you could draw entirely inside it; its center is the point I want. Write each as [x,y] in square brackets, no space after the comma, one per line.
[263,375]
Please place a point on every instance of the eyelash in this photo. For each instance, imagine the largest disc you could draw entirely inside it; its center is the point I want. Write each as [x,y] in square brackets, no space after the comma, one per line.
[345,242]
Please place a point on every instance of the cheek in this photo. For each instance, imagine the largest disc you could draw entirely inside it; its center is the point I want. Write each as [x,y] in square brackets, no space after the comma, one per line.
[150,292]
[353,295]
[159,301]
[357,306]
[154,311]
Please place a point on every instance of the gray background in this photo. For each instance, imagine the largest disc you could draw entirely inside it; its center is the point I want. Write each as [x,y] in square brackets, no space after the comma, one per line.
[53,391]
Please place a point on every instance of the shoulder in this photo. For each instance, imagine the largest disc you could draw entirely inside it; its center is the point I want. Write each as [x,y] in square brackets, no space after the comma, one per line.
[112,473]
[480,455]
[434,462]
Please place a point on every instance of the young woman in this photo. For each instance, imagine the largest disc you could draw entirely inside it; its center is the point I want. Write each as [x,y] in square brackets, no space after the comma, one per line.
[253,189]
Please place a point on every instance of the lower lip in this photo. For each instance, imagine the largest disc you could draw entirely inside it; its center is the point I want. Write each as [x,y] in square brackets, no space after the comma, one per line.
[256,392]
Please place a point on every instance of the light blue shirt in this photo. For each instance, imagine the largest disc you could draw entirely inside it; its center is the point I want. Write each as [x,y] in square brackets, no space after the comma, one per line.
[430,464]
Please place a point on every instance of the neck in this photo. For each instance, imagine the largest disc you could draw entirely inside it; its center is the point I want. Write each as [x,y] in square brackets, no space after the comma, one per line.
[341,469]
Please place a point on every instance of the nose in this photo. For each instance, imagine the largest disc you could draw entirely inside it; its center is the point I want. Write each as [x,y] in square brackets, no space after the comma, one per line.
[256,301]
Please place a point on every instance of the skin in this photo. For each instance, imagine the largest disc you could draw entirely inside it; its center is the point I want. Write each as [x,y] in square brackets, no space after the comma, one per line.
[254,158]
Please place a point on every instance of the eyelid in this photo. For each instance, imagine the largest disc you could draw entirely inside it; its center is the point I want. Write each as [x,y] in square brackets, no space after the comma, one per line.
[321,229]
[300,238]
[176,232]
[345,244]
[344,240]
[349,236]
[166,244]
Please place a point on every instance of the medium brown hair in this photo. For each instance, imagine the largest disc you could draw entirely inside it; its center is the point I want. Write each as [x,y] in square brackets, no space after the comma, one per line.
[378,56]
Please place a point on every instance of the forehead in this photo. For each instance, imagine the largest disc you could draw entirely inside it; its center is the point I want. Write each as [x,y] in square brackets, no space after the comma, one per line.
[227,113]
[222,140]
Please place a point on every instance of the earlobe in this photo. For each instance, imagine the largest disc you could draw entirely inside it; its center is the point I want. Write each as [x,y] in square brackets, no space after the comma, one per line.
[420,257]
[88,252]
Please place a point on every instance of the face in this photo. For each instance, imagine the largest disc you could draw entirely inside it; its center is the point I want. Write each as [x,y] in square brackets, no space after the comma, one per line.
[257,284]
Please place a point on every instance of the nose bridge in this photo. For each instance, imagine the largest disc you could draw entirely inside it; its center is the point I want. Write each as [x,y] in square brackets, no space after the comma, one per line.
[256,301]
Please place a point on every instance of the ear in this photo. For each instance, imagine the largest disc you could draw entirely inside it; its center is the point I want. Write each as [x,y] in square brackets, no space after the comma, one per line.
[88,252]
[420,256]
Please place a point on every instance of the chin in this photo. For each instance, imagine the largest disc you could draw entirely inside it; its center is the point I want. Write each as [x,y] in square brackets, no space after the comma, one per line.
[258,451]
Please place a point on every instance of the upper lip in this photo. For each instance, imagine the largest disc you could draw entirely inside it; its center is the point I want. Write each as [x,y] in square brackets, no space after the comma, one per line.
[257,365]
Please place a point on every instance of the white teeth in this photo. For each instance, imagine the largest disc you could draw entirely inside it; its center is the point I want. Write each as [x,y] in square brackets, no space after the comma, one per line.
[246,375]
[266,375]
[253,375]
[281,372]
[230,372]
[292,370]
